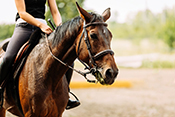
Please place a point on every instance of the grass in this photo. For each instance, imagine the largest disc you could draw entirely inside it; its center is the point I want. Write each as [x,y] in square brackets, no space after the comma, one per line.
[158,64]
[127,47]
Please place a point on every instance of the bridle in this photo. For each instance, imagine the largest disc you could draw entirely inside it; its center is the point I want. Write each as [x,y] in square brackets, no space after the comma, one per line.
[93,66]
[86,39]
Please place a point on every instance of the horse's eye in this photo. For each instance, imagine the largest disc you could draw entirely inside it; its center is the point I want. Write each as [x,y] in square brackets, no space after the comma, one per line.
[94,36]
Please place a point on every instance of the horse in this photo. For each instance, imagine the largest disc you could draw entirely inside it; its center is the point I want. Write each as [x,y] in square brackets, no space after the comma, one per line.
[42,86]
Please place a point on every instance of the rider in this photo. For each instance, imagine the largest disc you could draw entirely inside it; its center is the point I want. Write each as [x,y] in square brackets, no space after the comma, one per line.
[30,17]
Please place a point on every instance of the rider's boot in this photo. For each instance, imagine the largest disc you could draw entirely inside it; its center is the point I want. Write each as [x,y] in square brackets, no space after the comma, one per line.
[71,104]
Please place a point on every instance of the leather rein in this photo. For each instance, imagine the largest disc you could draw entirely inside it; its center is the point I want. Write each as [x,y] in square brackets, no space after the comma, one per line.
[92,57]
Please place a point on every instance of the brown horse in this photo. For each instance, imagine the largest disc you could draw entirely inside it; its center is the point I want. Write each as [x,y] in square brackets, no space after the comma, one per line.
[43,88]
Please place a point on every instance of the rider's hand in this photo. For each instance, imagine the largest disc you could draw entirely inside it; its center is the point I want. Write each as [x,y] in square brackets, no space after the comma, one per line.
[45,28]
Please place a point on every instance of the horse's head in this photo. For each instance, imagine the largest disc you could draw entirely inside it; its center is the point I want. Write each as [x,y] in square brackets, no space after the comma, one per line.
[95,49]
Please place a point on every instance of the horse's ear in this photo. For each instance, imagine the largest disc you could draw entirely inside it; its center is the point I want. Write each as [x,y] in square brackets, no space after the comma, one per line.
[83,13]
[106,14]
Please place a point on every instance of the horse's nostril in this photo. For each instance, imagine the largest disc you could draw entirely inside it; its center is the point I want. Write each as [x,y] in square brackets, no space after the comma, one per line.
[110,73]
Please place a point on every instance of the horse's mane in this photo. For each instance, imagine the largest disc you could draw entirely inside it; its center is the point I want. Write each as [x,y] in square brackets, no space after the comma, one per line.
[70,28]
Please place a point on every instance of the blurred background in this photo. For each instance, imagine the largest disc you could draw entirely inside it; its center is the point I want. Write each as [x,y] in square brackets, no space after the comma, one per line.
[144,44]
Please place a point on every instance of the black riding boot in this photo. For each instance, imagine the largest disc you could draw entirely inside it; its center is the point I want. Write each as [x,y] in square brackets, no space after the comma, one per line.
[5,72]
[71,104]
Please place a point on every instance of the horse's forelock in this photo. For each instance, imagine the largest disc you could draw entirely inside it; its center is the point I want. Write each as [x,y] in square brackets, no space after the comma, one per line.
[96,17]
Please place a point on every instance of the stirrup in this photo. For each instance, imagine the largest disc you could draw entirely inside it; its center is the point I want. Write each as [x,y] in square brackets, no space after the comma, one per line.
[74,96]
[74,103]
[1,97]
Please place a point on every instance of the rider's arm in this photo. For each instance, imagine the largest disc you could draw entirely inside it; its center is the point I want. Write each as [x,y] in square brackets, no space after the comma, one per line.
[20,5]
[55,13]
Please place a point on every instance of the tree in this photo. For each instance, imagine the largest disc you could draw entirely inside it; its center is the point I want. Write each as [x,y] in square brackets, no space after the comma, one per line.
[67,9]
[167,31]
[6,30]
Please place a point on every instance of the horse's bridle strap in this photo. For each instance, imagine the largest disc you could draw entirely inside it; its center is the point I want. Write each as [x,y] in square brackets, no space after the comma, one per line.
[102,53]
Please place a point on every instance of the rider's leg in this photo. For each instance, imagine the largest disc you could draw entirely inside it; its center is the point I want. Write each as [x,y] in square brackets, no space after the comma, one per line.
[20,36]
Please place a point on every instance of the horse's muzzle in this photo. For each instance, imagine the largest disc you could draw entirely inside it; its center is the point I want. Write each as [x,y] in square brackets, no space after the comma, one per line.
[106,76]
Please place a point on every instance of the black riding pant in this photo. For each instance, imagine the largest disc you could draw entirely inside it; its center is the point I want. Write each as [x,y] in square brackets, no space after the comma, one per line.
[20,36]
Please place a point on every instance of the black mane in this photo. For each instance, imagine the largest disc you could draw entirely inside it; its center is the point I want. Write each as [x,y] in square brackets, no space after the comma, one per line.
[67,30]
[70,28]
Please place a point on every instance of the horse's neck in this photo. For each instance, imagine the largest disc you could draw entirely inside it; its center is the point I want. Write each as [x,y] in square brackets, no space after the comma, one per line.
[65,50]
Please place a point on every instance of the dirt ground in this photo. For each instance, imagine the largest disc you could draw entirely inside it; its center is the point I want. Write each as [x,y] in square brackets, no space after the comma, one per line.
[152,95]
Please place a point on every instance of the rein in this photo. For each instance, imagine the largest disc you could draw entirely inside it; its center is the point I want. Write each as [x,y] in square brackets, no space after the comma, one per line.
[93,68]
[65,64]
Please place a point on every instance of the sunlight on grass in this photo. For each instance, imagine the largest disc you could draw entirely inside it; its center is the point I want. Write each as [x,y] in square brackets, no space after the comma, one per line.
[158,64]
[153,53]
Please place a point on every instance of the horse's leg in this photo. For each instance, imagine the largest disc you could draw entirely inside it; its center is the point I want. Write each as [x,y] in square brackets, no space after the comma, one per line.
[2,112]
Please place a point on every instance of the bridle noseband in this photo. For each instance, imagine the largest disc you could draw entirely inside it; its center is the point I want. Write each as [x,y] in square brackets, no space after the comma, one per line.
[93,68]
